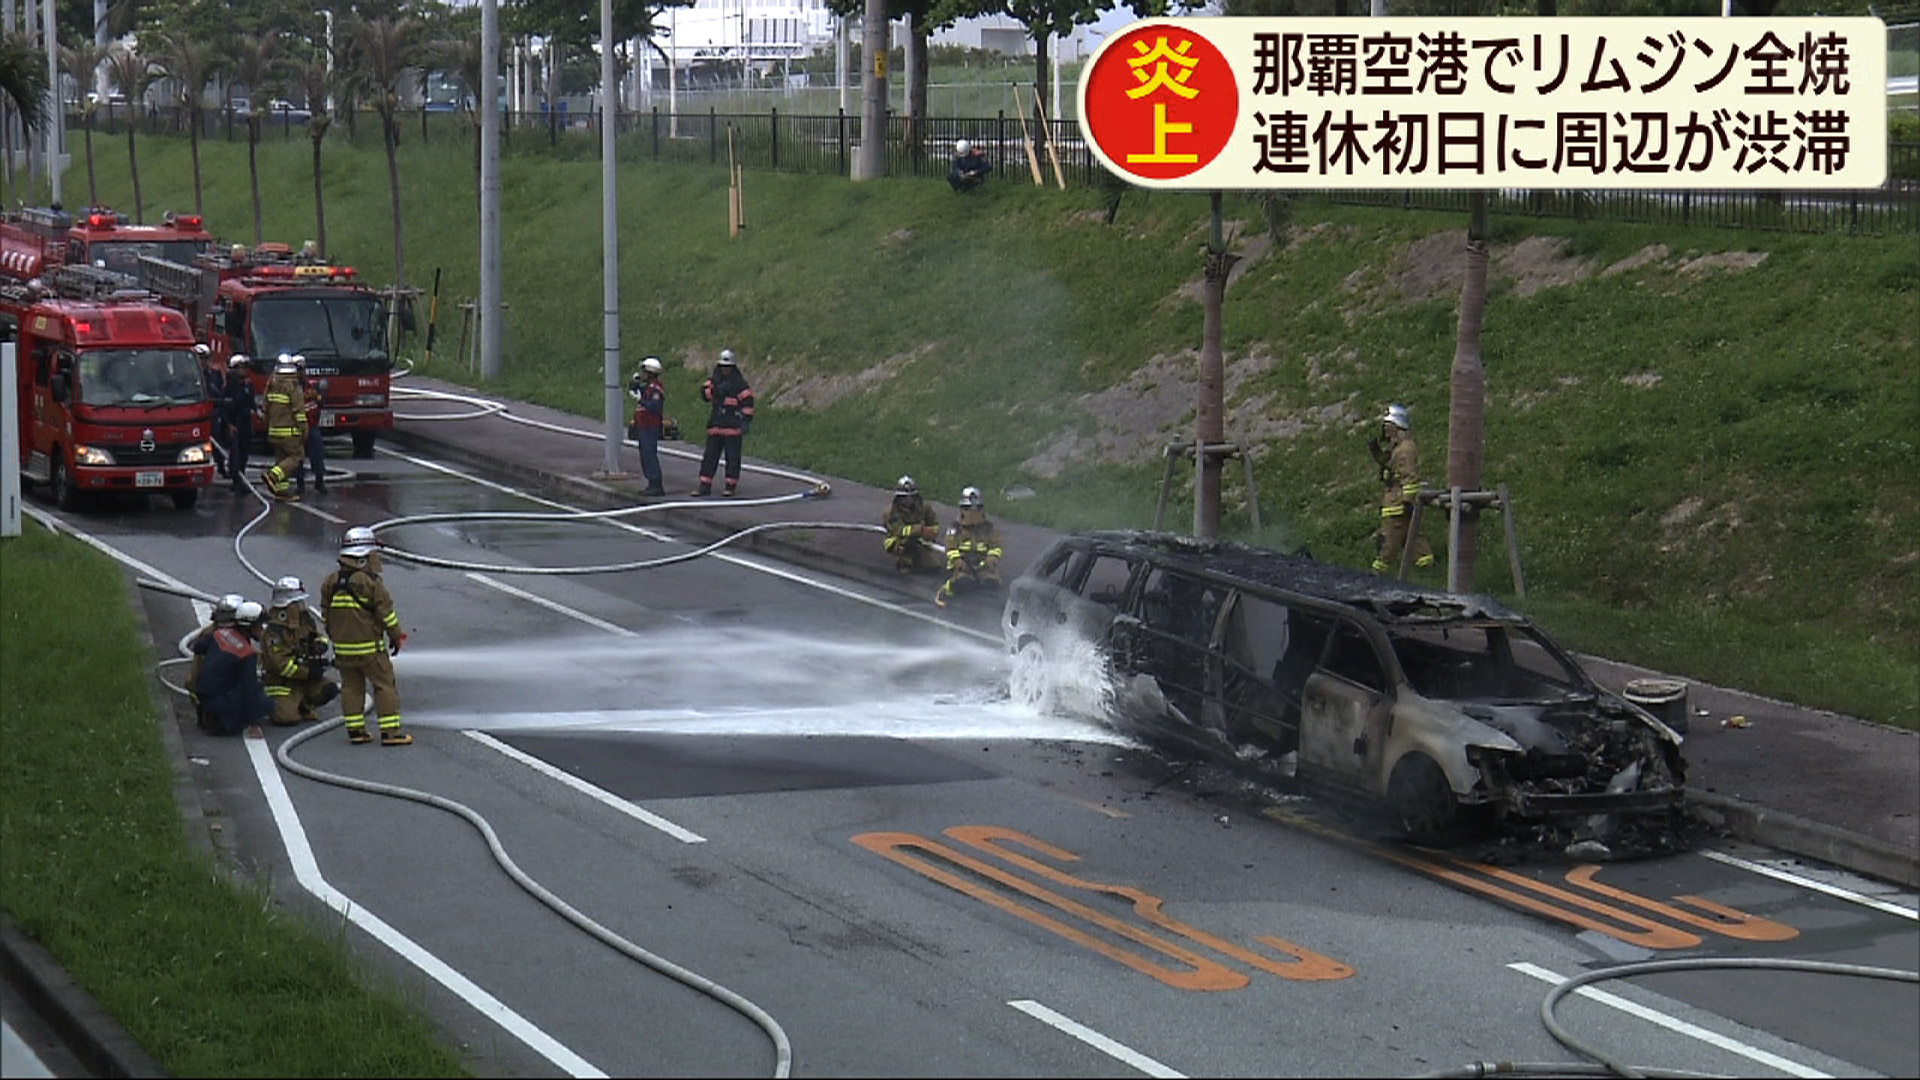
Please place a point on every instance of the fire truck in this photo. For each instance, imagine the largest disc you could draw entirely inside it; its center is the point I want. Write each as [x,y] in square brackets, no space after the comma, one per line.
[112,397]
[37,239]
[271,301]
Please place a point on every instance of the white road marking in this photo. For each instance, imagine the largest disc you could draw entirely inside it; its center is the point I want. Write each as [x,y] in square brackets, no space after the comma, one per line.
[645,817]
[551,605]
[737,560]
[1810,883]
[1123,1054]
[1675,1024]
[306,870]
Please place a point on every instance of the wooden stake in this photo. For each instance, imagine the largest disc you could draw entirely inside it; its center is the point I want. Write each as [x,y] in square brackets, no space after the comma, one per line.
[733,188]
[1053,154]
[1026,136]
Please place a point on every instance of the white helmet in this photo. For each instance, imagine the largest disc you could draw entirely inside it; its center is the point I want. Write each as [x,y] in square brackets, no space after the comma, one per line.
[906,486]
[248,613]
[970,499]
[359,542]
[237,360]
[287,364]
[1397,416]
[651,365]
[201,349]
[224,609]
[726,356]
[288,590]
[963,148]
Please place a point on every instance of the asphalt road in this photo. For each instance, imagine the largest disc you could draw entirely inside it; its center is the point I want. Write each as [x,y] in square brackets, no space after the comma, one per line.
[735,811]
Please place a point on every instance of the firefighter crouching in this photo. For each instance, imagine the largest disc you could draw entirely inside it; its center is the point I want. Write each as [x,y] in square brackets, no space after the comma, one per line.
[911,526]
[973,549]
[294,657]
[286,400]
[365,632]
[225,675]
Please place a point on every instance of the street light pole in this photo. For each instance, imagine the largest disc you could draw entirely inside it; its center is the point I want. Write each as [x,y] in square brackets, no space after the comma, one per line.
[492,305]
[610,239]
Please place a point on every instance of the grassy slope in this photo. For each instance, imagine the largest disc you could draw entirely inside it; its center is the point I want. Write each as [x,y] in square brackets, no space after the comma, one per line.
[1710,460]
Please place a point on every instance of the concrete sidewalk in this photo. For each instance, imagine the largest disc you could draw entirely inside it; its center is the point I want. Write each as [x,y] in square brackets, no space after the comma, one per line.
[1813,783]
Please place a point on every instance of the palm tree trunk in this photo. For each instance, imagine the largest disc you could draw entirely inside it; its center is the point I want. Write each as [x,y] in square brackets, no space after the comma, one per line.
[253,174]
[393,182]
[93,187]
[319,199]
[133,169]
[193,142]
[1466,442]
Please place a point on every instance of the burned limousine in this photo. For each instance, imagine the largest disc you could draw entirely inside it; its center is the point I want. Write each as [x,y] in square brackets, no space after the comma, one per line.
[1443,710]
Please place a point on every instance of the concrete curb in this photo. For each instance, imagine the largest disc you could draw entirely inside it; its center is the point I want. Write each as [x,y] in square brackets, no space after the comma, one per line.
[1808,839]
[91,1032]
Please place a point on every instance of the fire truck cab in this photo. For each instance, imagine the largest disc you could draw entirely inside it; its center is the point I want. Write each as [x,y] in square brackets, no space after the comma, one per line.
[112,397]
[102,238]
[270,301]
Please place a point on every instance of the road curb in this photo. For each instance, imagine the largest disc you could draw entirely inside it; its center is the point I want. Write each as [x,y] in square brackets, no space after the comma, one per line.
[92,1033]
[1808,839]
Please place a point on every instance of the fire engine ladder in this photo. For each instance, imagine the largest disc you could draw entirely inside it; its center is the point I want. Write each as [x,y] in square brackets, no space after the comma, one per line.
[90,282]
[180,282]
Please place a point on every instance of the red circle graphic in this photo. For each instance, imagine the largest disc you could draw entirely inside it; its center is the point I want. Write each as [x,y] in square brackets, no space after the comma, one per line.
[1161,102]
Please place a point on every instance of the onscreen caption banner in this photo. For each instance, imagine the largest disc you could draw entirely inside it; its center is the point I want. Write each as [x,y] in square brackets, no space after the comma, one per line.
[1237,102]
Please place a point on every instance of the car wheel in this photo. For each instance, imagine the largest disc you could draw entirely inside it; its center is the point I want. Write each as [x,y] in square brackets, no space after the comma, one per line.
[1028,684]
[66,493]
[185,500]
[363,444]
[1421,799]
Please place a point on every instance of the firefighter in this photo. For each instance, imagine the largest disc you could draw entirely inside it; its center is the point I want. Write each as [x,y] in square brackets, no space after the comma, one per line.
[1399,461]
[286,426]
[973,549]
[293,657]
[366,635]
[726,390]
[216,379]
[222,615]
[314,398]
[911,526]
[226,678]
[649,418]
[235,413]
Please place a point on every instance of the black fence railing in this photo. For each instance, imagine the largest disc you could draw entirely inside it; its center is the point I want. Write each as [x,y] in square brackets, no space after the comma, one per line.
[1023,151]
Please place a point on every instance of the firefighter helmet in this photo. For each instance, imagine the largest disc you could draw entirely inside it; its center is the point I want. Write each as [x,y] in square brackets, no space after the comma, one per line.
[1397,416]
[726,357]
[288,590]
[970,499]
[905,487]
[237,360]
[248,613]
[963,148]
[225,608]
[287,364]
[201,349]
[651,365]
[359,542]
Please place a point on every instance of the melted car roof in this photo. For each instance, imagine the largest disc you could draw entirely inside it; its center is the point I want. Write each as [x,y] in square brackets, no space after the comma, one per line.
[1386,598]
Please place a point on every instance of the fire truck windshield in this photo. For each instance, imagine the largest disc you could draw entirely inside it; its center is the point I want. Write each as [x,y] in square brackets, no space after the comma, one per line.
[350,330]
[141,377]
[123,256]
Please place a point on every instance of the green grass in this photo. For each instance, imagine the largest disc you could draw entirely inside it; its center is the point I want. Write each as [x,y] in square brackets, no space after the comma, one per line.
[1708,452]
[203,969]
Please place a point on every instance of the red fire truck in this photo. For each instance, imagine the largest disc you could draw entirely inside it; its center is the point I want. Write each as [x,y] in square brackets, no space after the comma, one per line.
[112,397]
[271,301]
[34,240]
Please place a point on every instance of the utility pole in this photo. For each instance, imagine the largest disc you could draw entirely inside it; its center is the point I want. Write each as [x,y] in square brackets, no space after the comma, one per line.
[610,242]
[871,162]
[492,306]
[57,112]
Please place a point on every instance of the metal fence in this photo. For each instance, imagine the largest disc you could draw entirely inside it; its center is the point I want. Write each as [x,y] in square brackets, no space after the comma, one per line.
[1024,151]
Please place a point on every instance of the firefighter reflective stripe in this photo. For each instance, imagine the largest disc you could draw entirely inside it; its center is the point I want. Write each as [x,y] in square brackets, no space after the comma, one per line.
[1393,511]
[278,690]
[1410,490]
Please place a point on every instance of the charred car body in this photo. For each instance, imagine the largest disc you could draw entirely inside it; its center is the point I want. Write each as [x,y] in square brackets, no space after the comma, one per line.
[1436,707]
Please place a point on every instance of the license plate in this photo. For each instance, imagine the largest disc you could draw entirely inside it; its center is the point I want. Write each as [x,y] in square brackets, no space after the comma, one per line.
[149,479]
[328,419]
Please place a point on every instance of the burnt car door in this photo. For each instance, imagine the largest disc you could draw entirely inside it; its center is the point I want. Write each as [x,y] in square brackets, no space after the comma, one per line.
[1260,666]
[1346,707]
[1163,649]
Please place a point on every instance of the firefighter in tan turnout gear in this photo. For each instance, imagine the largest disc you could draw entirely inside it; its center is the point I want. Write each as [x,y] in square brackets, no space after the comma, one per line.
[1399,461]
[285,406]
[911,526]
[294,656]
[366,632]
[973,549]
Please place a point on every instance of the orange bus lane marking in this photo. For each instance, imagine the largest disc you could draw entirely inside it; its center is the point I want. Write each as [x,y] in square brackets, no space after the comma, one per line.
[1731,922]
[1650,935]
[1204,974]
[1306,964]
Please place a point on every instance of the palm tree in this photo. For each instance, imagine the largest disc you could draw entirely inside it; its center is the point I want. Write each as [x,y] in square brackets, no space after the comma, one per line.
[192,65]
[316,80]
[1466,437]
[254,56]
[23,84]
[82,61]
[386,50]
[460,58]
[131,74]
